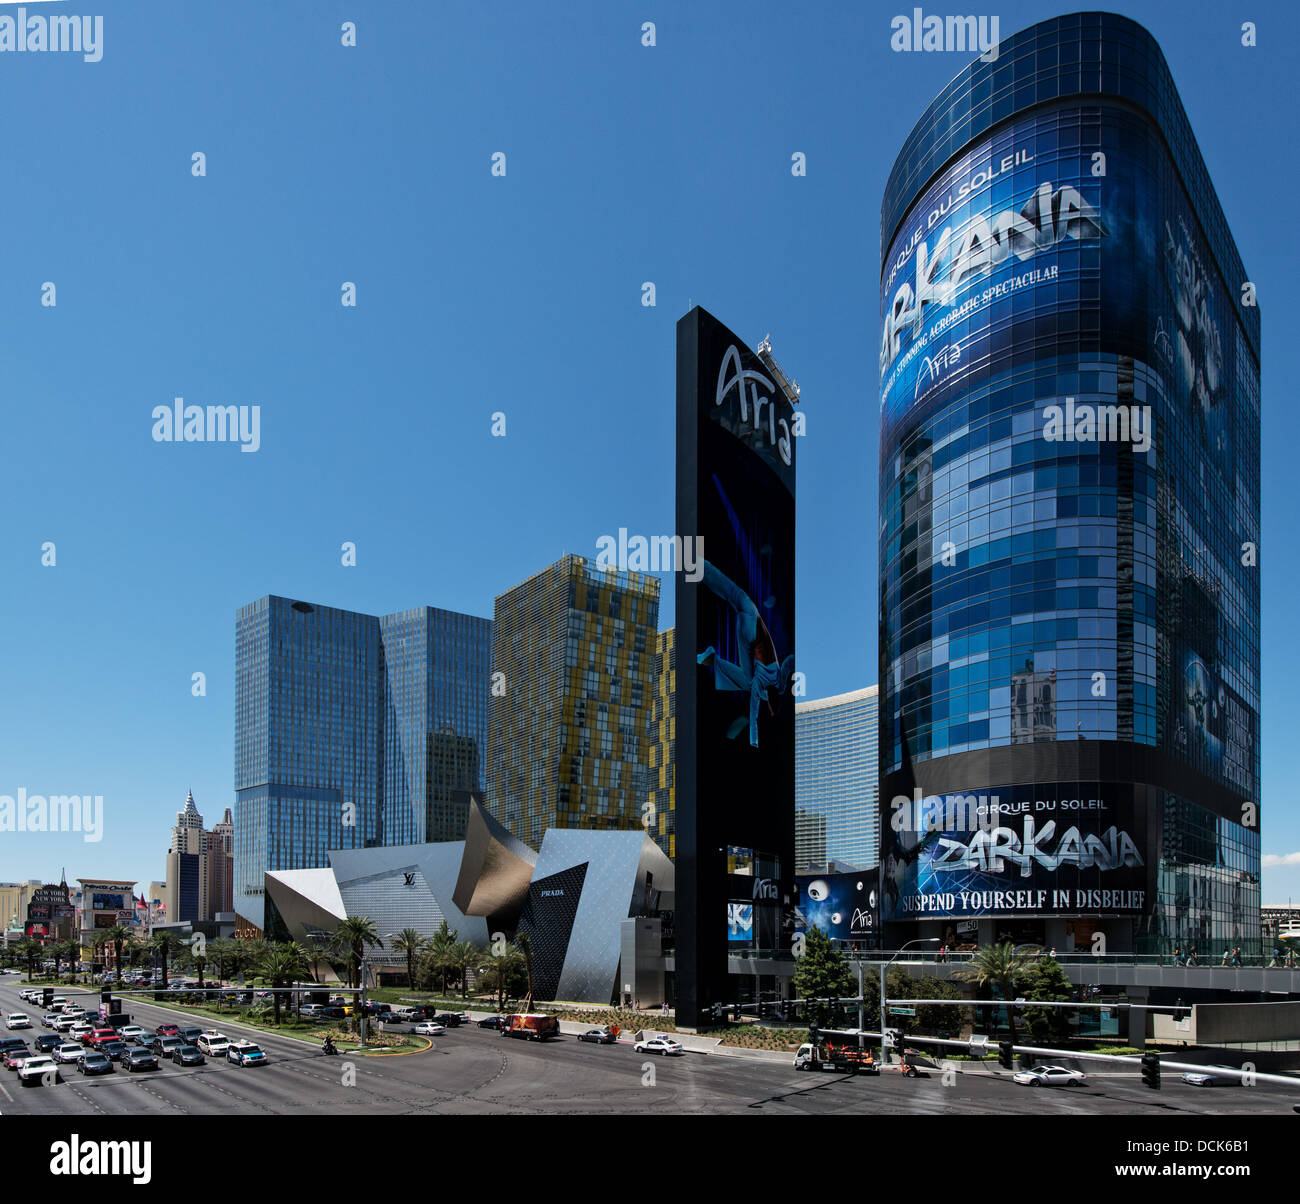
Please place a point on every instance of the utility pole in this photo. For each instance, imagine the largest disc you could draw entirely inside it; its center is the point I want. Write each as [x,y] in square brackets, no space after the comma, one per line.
[362,1021]
[862,1006]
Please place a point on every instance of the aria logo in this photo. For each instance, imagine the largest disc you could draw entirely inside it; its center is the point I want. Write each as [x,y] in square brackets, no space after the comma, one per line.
[933,367]
[733,376]
[764,888]
[408,879]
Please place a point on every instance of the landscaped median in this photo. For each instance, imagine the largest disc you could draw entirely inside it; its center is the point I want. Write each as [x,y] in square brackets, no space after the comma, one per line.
[309,1031]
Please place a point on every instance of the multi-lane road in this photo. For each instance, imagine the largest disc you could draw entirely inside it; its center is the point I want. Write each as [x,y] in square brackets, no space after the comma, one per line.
[476,1071]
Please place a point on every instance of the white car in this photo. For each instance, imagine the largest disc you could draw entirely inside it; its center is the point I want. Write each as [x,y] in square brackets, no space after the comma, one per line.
[1050,1076]
[36,1069]
[129,1032]
[18,1020]
[429,1029]
[1209,1077]
[213,1044]
[63,1024]
[81,1029]
[68,1053]
[50,1019]
[659,1045]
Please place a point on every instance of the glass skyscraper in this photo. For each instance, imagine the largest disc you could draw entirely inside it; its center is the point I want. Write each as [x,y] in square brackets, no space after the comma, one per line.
[835,768]
[351,731]
[1069,501]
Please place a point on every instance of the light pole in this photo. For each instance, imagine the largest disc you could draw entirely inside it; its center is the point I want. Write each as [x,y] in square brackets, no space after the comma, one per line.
[920,940]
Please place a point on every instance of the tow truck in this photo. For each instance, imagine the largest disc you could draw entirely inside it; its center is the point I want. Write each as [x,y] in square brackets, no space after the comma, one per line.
[836,1050]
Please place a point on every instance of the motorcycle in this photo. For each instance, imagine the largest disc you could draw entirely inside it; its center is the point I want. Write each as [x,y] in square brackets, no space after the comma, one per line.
[329,1048]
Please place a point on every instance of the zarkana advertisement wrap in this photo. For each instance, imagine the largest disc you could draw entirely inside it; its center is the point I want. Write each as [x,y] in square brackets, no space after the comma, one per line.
[1015,851]
[1071,221]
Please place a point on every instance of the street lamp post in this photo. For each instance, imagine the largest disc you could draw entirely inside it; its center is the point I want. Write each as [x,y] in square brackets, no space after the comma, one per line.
[921,940]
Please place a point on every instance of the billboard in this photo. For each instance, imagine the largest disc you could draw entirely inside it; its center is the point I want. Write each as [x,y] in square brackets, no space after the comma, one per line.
[1016,851]
[740,922]
[736,437]
[1068,227]
[843,906]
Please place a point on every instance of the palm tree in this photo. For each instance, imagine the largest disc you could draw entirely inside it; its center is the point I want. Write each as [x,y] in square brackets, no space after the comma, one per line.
[282,965]
[163,945]
[997,967]
[356,933]
[316,950]
[410,942]
[222,954]
[72,952]
[439,958]
[464,956]
[500,969]
[526,948]
[29,950]
[117,936]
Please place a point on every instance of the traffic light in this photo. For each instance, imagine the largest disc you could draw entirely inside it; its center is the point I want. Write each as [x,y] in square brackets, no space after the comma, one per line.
[1151,1071]
[1006,1055]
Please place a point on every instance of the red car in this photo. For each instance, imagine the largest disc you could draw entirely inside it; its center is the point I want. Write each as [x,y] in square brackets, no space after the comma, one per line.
[13,1058]
[100,1036]
[167,1030]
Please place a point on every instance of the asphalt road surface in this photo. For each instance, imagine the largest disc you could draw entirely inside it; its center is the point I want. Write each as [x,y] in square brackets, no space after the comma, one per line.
[478,1072]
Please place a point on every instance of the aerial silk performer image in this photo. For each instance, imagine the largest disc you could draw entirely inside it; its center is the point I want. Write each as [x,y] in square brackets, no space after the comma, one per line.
[758,671]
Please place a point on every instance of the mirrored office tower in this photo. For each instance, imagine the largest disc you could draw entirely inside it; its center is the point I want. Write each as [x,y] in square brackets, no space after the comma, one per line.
[351,731]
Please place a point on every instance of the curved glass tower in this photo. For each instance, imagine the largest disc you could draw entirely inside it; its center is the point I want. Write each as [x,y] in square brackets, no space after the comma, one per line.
[1069,502]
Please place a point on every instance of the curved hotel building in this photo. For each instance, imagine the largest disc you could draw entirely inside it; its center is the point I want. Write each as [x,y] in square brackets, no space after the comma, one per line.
[1069,500]
[835,773]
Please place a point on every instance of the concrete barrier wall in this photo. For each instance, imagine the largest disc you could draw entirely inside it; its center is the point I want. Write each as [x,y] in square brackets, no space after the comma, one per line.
[1228,1023]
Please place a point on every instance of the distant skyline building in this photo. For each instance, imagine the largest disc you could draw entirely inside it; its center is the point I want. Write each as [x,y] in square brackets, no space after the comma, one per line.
[199,869]
[835,780]
[570,733]
[220,845]
[351,731]
[185,893]
[101,904]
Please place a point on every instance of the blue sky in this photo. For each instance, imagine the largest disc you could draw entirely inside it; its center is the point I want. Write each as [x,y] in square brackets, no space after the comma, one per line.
[521,294]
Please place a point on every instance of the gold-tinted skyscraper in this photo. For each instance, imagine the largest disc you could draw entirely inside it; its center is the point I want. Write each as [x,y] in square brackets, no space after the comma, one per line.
[663,733]
[573,652]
